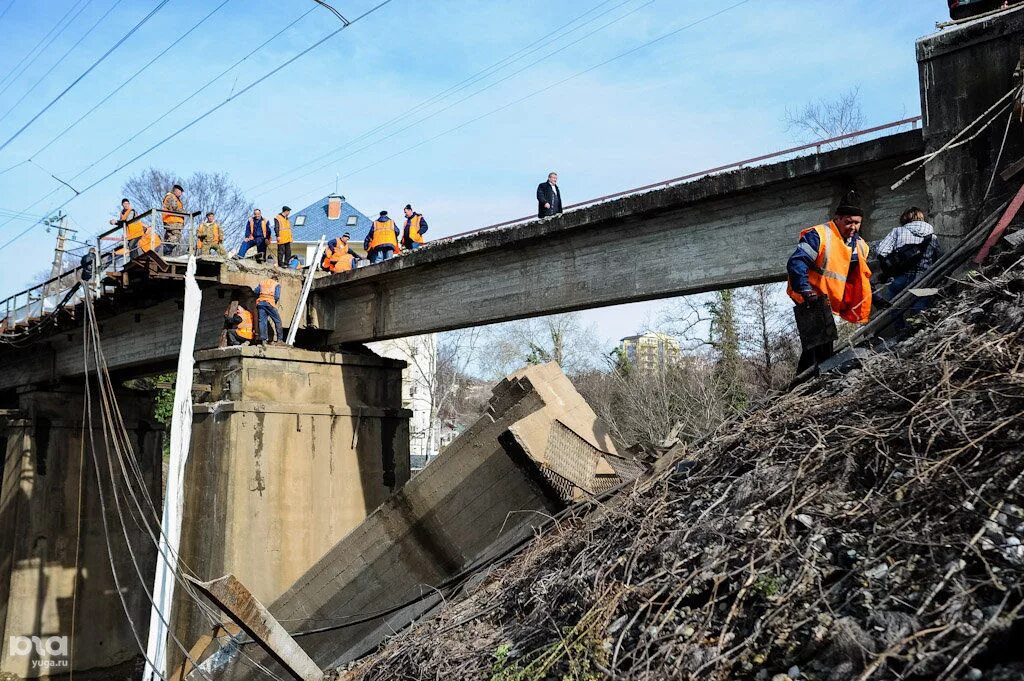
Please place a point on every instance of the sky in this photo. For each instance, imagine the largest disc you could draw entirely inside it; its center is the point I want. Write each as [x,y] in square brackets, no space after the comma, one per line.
[458,106]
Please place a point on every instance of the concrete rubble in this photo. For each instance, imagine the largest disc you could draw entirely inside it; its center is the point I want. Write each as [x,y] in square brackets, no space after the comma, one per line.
[538,447]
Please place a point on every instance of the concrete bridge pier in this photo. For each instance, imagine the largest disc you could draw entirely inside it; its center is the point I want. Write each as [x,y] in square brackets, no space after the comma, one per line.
[56,582]
[291,449]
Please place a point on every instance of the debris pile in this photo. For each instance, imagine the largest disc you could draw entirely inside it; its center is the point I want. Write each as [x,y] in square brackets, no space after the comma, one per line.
[864,526]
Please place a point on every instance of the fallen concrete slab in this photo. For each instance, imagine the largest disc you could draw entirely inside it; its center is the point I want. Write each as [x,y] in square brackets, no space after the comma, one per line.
[538,447]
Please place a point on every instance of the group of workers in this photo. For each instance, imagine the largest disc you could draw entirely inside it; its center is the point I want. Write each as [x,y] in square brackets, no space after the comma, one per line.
[829,274]
[238,320]
[385,239]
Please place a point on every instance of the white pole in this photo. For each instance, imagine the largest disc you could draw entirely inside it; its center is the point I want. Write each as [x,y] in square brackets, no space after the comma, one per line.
[181,435]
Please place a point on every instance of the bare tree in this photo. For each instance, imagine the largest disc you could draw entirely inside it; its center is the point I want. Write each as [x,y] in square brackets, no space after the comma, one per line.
[203,192]
[822,119]
[561,338]
[767,337]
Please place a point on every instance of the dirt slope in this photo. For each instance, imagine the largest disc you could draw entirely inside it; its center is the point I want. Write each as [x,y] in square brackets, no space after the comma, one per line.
[865,526]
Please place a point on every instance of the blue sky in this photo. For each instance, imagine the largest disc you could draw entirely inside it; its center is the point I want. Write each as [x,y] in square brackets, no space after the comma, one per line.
[709,95]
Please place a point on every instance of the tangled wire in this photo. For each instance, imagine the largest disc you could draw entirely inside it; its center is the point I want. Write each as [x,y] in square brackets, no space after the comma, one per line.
[866,526]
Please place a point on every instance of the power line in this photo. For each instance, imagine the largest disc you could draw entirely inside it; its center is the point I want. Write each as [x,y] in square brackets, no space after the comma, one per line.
[61,59]
[248,87]
[44,47]
[473,94]
[77,80]
[174,43]
[461,85]
[205,114]
[182,102]
[546,88]
[6,9]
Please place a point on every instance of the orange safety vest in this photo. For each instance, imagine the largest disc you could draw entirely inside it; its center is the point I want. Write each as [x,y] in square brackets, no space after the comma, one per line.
[338,259]
[849,293]
[133,230]
[173,203]
[244,329]
[267,288]
[150,240]
[383,235]
[284,229]
[412,226]
[211,231]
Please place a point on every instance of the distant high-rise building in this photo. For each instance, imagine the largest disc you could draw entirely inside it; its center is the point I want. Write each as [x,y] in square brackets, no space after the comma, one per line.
[651,352]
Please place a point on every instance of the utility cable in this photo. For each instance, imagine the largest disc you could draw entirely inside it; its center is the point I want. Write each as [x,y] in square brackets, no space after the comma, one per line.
[471,95]
[40,47]
[61,59]
[182,102]
[85,73]
[551,86]
[479,75]
[224,103]
[6,10]
[174,43]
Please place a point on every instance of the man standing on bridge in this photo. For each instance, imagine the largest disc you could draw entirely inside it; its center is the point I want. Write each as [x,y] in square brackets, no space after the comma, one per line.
[268,294]
[173,218]
[828,273]
[415,228]
[549,198]
[382,242]
[283,231]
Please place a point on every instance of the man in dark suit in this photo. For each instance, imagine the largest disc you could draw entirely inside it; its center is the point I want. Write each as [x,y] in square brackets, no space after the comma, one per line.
[549,199]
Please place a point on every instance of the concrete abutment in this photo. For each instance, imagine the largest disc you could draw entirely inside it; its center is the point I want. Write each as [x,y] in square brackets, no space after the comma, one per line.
[291,450]
[56,582]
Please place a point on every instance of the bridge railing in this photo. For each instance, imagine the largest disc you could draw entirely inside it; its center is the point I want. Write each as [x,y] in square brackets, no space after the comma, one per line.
[817,146]
[113,253]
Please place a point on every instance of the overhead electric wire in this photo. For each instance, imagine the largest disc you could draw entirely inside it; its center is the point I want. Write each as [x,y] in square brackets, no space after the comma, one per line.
[473,94]
[6,10]
[61,59]
[546,88]
[476,77]
[202,116]
[174,43]
[77,80]
[231,98]
[33,54]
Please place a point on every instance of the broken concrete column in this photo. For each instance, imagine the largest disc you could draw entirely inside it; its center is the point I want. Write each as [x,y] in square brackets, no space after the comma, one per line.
[291,450]
[56,582]
[964,70]
[538,447]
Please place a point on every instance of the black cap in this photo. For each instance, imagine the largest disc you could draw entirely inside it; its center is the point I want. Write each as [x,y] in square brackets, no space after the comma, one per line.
[850,205]
[346,234]
[408,206]
[383,213]
[284,208]
[177,186]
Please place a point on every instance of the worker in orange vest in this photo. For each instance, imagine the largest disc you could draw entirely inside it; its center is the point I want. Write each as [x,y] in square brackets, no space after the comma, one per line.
[382,242]
[268,294]
[210,237]
[337,256]
[257,233]
[829,273]
[239,326]
[283,231]
[173,219]
[415,228]
[133,230]
[149,241]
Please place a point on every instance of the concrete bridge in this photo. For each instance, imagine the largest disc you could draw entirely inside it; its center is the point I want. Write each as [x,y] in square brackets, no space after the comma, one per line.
[278,432]
[722,231]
